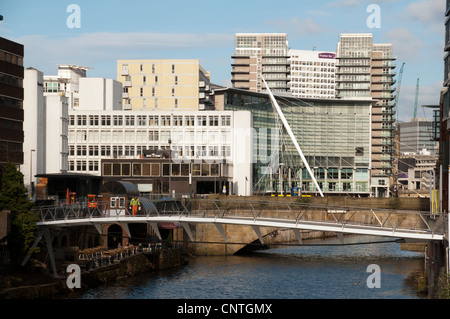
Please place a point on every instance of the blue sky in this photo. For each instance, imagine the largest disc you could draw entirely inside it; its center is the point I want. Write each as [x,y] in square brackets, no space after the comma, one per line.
[204,30]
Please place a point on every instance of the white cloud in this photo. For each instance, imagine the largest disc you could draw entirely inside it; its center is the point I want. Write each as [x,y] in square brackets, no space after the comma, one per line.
[406,44]
[426,11]
[343,3]
[90,49]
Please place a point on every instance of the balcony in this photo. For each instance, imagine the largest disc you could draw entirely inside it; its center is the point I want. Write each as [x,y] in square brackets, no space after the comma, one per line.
[127,84]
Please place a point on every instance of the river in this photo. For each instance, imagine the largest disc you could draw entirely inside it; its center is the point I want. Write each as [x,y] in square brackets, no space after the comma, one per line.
[328,271]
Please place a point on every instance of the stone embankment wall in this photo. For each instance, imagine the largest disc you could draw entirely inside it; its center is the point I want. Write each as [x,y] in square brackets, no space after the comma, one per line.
[128,267]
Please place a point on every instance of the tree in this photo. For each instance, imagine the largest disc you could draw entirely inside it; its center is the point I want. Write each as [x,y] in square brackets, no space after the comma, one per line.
[13,197]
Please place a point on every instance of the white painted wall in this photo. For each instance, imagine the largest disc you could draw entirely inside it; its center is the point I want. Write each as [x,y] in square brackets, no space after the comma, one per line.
[33,126]
[57,120]
[100,94]
[242,153]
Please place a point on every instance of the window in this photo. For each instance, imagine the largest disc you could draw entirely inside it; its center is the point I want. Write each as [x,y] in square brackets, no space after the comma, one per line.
[93,150]
[166,169]
[201,120]
[165,120]
[117,120]
[153,120]
[93,165]
[71,166]
[105,150]
[347,173]
[359,151]
[141,120]
[173,68]
[81,120]
[226,120]
[93,120]
[107,169]
[214,120]
[136,169]
[129,120]
[106,120]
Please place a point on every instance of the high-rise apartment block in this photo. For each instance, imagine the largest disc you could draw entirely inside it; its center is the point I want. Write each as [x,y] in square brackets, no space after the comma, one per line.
[11,102]
[260,55]
[364,70]
[313,74]
[165,84]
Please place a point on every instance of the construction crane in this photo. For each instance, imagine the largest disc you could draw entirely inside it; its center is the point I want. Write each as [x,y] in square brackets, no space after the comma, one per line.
[398,88]
[417,98]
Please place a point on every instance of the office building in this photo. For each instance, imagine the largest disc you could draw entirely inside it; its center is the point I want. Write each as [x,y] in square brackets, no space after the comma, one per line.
[334,135]
[364,70]
[260,55]
[417,136]
[312,74]
[165,84]
[120,144]
[11,103]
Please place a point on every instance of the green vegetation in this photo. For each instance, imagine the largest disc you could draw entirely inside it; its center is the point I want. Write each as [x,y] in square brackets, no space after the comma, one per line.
[13,197]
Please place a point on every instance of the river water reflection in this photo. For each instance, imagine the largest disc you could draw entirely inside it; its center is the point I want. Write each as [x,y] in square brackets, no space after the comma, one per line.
[286,272]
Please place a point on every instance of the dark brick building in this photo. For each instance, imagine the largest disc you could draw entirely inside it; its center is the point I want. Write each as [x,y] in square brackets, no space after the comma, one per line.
[11,102]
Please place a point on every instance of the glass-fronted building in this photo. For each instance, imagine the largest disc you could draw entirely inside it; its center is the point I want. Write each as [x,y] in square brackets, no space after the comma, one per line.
[334,135]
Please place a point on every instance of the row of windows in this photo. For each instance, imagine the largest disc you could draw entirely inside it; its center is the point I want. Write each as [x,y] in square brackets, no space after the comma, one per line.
[155,169]
[141,68]
[108,151]
[150,120]
[11,58]
[11,80]
[131,136]
[294,62]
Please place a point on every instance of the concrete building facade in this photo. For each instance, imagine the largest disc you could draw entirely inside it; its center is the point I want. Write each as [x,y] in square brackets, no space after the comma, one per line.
[417,136]
[260,55]
[189,136]
[45,130]
[365,70]
[312,74]
[164,84]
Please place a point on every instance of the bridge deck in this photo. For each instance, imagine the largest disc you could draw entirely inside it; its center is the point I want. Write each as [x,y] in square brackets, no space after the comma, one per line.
[295,216]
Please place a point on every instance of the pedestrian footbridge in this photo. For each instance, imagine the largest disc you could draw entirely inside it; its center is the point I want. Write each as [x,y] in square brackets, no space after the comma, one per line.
[257,218]
[413,225]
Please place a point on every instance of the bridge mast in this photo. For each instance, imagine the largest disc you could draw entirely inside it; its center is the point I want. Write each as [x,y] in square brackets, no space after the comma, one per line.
[291,134]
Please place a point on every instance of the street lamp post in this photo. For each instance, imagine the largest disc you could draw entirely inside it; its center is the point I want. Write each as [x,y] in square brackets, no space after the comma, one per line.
[170,168]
